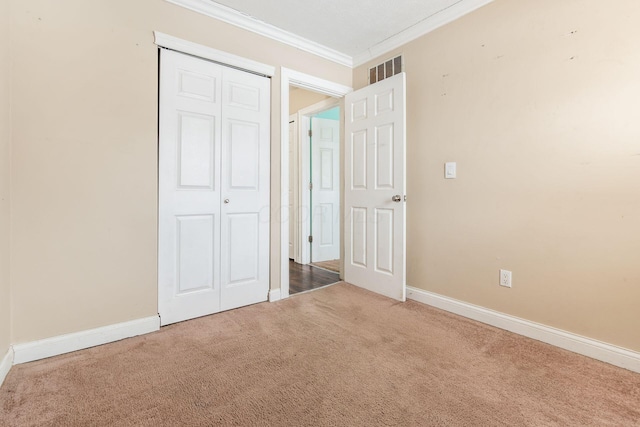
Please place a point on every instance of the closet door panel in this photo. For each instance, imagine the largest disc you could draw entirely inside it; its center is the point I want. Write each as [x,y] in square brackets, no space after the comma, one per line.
[189,187]
[245,188]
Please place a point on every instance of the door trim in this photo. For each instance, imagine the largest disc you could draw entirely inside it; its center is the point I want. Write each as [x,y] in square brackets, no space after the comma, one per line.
[315,84]
[215,55]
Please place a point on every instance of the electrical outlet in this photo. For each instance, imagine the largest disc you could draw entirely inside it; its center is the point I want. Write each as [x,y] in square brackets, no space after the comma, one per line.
[505,278]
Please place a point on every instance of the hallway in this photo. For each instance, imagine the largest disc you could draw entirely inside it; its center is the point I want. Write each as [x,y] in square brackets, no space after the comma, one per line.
[306,277]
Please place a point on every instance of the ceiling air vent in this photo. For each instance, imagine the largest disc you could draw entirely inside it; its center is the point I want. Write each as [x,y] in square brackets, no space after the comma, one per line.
[386,69]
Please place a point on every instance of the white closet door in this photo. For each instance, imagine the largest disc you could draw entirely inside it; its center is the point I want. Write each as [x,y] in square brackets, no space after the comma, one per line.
[245,188]
[189,188]
[325,195]
[213,148]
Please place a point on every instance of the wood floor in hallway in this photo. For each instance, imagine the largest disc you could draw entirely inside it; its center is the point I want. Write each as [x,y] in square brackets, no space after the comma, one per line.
[306,277]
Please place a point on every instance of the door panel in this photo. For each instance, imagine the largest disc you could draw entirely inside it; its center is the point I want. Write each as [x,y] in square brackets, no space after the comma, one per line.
[375,176]
[245,188]
[326,232]
[325,194]
[196,151]
[384,240]
[384,157]
[244,145]
[197,85]
[196,253]
[189,190]
[243,248]
[358,160]
[358,241]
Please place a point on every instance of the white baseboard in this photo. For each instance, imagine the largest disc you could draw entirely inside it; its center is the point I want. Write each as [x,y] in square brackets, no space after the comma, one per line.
[54,346]
[578,344]
[5,365]
[275,295]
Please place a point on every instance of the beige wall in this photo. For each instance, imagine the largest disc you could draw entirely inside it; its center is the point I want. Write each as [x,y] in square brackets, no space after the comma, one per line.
[5,319]
[85,154]
[301,98]
[537,101]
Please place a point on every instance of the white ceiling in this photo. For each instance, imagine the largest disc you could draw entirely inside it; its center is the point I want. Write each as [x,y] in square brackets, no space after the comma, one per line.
[348,26]
[346,31]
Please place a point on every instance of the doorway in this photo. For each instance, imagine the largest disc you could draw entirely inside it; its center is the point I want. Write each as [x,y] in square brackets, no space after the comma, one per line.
[323,90]
[314,190]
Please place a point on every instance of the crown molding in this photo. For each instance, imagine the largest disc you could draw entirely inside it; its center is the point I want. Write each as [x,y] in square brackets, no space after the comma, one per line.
[246,22]
[425,26]
[249,23]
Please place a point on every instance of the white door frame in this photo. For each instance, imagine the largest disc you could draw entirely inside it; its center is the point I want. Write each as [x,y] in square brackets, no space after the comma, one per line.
[315,84]
[294,170]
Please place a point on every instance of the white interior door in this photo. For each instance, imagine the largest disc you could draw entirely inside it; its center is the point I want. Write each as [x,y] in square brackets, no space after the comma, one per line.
[325,193]
[245,188]
[211,255]
[375,230]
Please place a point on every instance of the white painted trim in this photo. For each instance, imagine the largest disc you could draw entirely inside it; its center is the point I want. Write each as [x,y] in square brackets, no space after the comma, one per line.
[324,105]
[5,365]
[297,236]
[249,23]
[61,344]
[274,295]
[316,84]
[578,344]
[423,27]
[212,54]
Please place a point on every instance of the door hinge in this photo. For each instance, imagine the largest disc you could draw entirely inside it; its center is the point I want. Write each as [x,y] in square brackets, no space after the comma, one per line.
[311,186]
[310,133]
[310,239]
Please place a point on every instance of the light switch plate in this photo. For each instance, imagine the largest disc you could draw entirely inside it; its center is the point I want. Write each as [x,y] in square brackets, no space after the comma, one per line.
[450,170]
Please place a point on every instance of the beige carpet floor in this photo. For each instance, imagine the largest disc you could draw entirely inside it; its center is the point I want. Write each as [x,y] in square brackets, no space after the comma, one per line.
[339,356]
